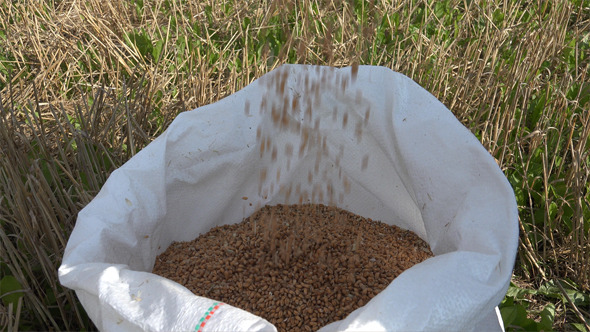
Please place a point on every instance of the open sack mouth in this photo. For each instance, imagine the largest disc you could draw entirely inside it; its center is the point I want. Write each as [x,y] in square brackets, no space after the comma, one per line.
[364,139]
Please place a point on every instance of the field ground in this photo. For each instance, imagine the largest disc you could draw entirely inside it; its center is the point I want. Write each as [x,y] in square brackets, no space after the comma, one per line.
[86,84]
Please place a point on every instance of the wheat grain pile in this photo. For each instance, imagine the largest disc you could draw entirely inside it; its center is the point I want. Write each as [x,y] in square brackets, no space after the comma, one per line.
[298,266]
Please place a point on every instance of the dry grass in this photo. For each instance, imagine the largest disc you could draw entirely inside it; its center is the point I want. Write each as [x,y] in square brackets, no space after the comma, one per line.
[86,84]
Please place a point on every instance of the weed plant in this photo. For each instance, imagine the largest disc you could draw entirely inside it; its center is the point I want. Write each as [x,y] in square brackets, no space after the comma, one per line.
[84,85]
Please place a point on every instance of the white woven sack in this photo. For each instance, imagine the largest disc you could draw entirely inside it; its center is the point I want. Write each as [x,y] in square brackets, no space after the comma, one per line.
[376,143]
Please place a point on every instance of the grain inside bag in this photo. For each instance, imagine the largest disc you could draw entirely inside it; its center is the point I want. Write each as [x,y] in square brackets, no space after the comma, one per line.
[408,163]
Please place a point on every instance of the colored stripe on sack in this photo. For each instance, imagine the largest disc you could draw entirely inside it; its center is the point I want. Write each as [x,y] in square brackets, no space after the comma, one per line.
[207,316]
